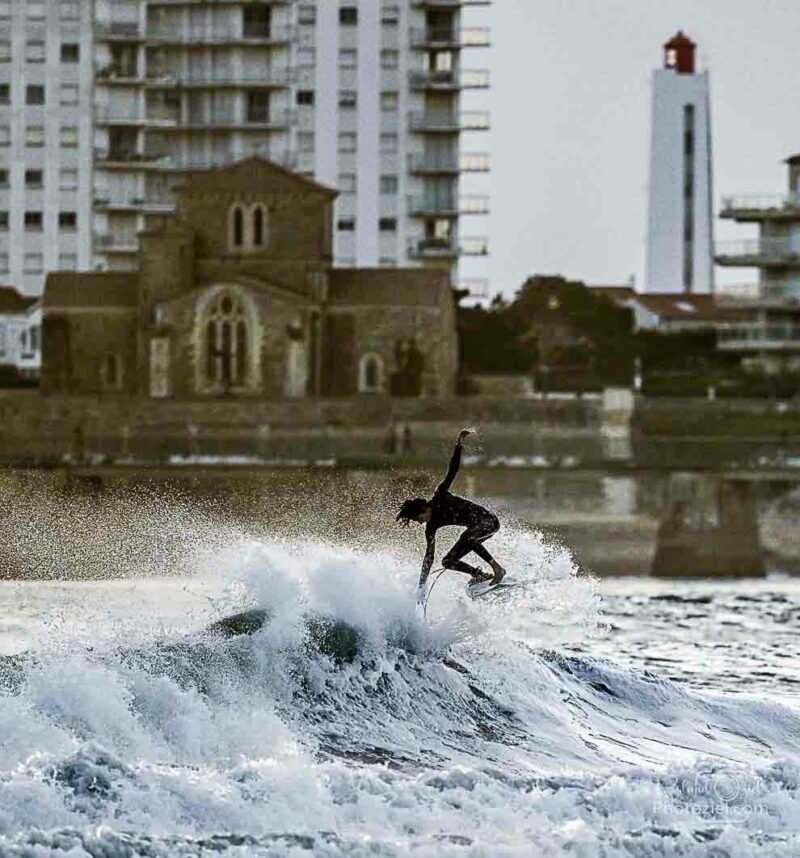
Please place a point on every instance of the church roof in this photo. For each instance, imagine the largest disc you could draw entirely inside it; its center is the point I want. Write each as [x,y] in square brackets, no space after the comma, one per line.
[13,302]
[387,286]
[97,289]
[249,168]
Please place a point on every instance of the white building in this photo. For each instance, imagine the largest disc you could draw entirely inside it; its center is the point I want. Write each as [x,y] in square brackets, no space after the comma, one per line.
[679,243]
[45,139]
[20,332]
[365,96]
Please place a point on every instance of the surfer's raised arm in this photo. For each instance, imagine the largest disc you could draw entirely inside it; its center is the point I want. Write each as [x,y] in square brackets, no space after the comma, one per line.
[455,462]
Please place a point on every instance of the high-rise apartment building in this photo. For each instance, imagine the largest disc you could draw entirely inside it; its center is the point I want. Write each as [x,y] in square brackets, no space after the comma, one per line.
[679,242]
[46,136]
[363,96]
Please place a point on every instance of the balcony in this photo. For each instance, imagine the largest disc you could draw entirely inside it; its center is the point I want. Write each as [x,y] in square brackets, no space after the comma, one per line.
[757,252]
[228,36]
[475,287]
[265,78]
[759,336]
[113,243]
[449,81]
[470,204]
[118,114]
[754,207]
[146,205]
[447,248]
[475,162]
[117,75]
[212,3]
[275,120]
[448,38]
[128,31]
[449,123]
[422,164]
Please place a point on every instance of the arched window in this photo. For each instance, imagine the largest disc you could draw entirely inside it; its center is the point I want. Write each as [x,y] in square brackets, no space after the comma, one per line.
[111,372]
[260,225]
[237,227]
[227,342]
[371,374]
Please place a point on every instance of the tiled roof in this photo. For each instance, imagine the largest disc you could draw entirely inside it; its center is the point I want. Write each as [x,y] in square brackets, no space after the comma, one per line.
[95,289]
[673,306]
[13,302]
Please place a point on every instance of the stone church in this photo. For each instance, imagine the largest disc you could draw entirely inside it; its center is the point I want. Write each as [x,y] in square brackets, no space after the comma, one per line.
[236,295]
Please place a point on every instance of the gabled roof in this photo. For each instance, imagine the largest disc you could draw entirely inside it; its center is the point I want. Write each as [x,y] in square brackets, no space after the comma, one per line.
[13,302]
[94,290]
[672,306]
[213,178]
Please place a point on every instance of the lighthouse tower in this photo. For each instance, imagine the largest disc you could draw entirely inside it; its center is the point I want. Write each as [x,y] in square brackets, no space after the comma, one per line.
[679,240]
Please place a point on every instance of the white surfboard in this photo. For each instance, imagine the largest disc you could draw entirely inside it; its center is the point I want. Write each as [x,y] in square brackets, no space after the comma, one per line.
[475,591]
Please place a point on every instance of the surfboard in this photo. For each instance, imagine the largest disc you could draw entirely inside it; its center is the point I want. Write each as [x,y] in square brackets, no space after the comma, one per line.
[475,591]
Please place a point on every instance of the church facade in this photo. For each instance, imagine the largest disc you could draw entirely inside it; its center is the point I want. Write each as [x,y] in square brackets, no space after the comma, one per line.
[236,295]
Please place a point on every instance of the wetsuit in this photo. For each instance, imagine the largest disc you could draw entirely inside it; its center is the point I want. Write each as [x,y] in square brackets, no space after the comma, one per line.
[449,509]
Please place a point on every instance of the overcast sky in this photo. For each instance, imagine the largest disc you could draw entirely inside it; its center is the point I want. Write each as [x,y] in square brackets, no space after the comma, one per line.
[570,104]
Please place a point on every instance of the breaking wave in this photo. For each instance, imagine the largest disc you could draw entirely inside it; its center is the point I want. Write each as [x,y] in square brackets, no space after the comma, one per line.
[320,715]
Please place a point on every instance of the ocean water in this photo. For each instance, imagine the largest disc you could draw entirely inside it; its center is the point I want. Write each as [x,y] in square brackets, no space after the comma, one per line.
[564,717]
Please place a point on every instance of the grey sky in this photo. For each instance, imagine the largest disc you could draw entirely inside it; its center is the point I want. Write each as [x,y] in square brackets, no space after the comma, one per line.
[570,104]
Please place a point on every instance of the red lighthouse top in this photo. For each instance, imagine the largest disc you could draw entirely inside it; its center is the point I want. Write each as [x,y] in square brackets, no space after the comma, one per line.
[679,53]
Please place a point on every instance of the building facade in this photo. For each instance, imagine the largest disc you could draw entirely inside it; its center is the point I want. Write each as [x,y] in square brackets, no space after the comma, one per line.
[679,240]
[46,135]
[235,295]
[362,96]
[772,331]
[20,334]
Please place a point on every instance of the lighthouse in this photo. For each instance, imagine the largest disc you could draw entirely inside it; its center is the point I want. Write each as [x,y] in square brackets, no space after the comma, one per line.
[679,235]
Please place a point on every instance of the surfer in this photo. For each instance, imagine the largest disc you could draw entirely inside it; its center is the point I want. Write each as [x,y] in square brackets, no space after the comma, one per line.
[444,510]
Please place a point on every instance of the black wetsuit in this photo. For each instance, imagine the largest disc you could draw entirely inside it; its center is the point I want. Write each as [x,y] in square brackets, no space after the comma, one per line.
[448,510]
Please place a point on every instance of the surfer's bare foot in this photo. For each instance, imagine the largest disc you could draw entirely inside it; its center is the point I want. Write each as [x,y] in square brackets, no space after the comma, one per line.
[499,573]
[480,578]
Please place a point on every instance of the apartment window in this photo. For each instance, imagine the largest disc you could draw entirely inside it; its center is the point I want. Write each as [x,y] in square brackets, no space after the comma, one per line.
[5,135]
[34,178]
[388,184]
[67,179]
[387,224]
[348,16]
[388,142]
[70,52]
[305,96]
[257,22]
[3,178]
[3,220]
[34,94]
[4,263]
[389,101]
[307,14]
[68,221]
[258,106]
[346,224]
[69,93]
[34,135]
[305,141]
[5,52]
[33,263]
[35,10]
[390,16]
[390,59]
[346,183]
[347,99]
[33,221]
[35,52]
[70,11]
[306,58]
[69,136]
[5,93]
[348,58]
[348,142]
[67,262]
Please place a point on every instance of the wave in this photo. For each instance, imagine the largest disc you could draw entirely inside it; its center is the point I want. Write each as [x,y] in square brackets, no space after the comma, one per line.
[324,717]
